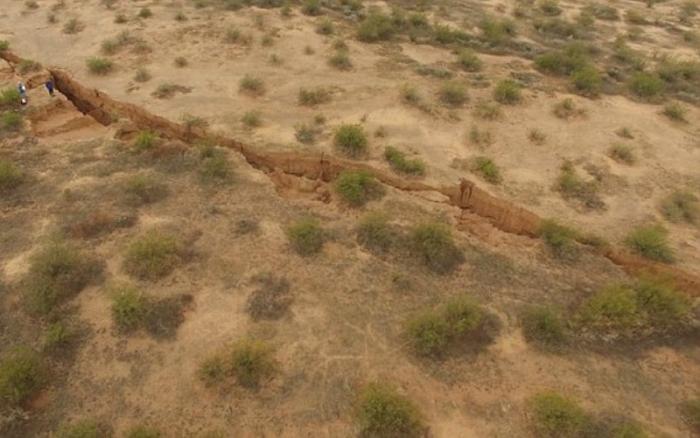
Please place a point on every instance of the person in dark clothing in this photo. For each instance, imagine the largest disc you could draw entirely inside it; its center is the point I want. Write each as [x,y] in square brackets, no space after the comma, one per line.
[49,86]
[22,93]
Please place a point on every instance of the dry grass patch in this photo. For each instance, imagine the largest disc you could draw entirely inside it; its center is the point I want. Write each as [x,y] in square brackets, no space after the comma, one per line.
[400,163]
[10,175]
[271,299]
[356,188]
[248,361]
[433,245]
[22,374]
[351,140]
[681,206]
[306,237]
[153,255]
[651,241]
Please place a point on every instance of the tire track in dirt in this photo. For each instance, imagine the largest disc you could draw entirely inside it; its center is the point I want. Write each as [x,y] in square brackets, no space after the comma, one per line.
[502,214]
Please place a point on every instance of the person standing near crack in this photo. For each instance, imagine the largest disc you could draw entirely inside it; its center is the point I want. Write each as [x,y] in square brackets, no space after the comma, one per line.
[49,86]
[22,93]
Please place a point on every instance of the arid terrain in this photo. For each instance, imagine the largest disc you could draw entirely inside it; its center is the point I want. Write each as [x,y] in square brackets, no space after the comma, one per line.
[336,218]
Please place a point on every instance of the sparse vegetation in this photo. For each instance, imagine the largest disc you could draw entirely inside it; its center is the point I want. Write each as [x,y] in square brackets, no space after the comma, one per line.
[374,233]
[382,412]
[433,244]
[4,45]
[557,416]
[145,13]
[487,111]
[142,75]
[73,26]
[487,169]
[690,410]
[271,299]
[572,186]
[507,92]
[646,85]
[398,161]
[306,237]
[560,239]
[99,66]
[469,61]
[453,94]
[252,119]
[10,121]
[27,66]
[252,85]
[145,140]
[536,136]
[21,375]
[622,154]
[9,98]
[314,96]
[129,308]
[480,137]
[250,362]
[351,140]
[214,167]
[153,255]
[356,188]
[144,189]
[86,428]
[305,133]
[311,7]
[325,27]
[497,32]
[544,327]
[56,273]
[677,207]
[340,60]
[180,62]
[651,242]
[675,112]
[142,431]
[10,175]
[567,109]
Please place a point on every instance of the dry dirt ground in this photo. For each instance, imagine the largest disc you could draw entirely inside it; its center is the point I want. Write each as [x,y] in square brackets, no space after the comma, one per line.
[345,324]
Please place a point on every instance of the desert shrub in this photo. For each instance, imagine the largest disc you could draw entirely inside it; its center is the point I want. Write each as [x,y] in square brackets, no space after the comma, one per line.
[21,375]
[129,308]
[550,7]
[10,121]
[340,60]
[56,273]
[572,186]
[536,136]
[398,161]
[314,96]
[675,112]
[251,362]
[651,242]
[143,432]
[544,327]
[453,94]
[325,27]
[690,410]
[86,428]
[9,98]
[444,34]
[144,189]
[142,75]
[375,233]
[487,111]
[4,45]
[563,62]
[487,169]
[153,255]
[251,119]
[507,92]
[497,32]
[180,61]
[566,109]
[27,65]
[560,239]
[622,153]
[214,167]
[678,206]
[432,243]
[382,412]
[602,11]
[145,13]
[557,416]
[271,299]
[99,66]
[376,27]
[251,85]
[306,133]
[58,337]
[311,7]
[480,138]
[429,334]
[469,61]
[680,75]
[351,140]
[10,175]
[356,188]
[586,80]
[73,26]
[646,85]
[145,140]
[306,237]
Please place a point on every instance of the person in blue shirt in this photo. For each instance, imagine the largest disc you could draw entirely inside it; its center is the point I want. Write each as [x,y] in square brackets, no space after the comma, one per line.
[49,86]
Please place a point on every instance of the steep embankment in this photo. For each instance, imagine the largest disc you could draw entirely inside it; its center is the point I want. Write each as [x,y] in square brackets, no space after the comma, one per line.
[502,214]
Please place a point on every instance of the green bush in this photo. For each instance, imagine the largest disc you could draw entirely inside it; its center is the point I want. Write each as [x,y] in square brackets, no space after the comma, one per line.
[453,94]
[559,238]
[487,169]
[129,308]
[564,62]
[99,66]
[622,153]
[382,412]
[376,27]
[251,362]
[651,242]
[56,273]
[572,186]
[356,188]
[469,61]
[398,161]
[675,111]
[351,140]
[251,85]
[691,413]
[10,121]
[375,233]
[340,60]
[586,80]
[429,334]
[251,119]
[556,416]
[21,375]
[145,140]
[306,237]
[544,327]
[646,85]
[9,98]
[144,189]
[507,92]
[143,432]
[4,45]
[82,429]
[153,255]
[677,207]
[497,32]
[306,133]
[432,243]
[314,96]
[214,167]
[10,175]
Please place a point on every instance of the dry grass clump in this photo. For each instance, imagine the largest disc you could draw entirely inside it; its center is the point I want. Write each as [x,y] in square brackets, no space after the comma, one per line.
[560,239]
[314,96]
[567,109]
[622,153]
[675,112]
[487,169]
[433,245]
[22,374]
[306,237]
[556,416]
[133,310]
[383,412]
[469,61]
[99,66]
[573,187]
[351,140]
[153,255]
[507,92]
[93,223]
[248,361]
[271,299]
[375,234]
[544,327]
[214,167]
[400,163]
[252,85]
[340,60]
[144,189]
[376,27]
[681,206]
[356,188]
[453,94]
[651,241]
[10,175]
[73,26]
[487,110]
